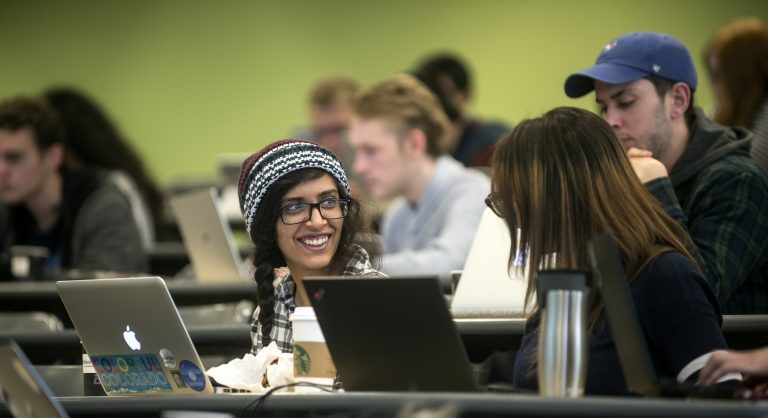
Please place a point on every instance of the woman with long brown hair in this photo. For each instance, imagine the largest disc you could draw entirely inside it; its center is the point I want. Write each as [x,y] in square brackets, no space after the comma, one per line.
[737,61]
[561,180]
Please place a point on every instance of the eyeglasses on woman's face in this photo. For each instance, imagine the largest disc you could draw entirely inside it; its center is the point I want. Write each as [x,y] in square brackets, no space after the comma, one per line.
[329,208]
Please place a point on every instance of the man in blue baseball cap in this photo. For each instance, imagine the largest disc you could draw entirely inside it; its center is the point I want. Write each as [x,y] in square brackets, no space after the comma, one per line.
[701,172]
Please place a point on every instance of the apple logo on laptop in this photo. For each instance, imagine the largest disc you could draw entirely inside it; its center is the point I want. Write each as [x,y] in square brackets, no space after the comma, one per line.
[130,338]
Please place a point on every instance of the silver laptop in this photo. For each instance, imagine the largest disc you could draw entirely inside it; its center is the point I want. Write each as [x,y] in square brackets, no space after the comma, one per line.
[207,237]
[24,391]
[487,288]
[134,336]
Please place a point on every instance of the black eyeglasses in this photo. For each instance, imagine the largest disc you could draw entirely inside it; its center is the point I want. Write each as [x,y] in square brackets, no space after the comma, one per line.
[330,208]
[489,201]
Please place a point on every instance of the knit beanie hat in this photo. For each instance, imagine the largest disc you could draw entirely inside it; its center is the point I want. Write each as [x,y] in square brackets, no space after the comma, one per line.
[262,169]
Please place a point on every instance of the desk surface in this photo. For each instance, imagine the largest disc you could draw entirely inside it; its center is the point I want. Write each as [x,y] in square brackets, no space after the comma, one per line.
[387,404]
[480,336]
[183,292]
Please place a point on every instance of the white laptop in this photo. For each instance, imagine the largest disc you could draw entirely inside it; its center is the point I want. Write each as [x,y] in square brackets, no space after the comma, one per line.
[207,237]
[487,288]
[23,389]
[134,336]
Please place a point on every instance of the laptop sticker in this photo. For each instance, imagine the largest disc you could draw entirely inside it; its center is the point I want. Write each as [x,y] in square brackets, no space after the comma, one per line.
[192,375]
[169,360]
[131,373]
[176,374]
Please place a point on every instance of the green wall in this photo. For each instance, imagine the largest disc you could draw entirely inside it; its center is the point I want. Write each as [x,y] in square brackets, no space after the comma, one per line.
[189,79]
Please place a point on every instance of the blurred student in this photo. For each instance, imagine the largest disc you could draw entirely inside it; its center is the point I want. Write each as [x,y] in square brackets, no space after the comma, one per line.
[77,214]
[737,61]
[298,212]
[330,110]
[700,171]
[94,141]
[557,178]
[330,113]
[399,135]
[472,141]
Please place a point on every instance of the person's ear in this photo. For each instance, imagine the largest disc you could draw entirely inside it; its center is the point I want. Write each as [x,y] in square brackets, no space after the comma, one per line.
[680,99]
[415,142]
[54,155]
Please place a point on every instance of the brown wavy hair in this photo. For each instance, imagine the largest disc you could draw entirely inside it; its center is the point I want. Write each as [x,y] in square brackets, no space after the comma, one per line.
[740,50]
[562,179]
[408,103]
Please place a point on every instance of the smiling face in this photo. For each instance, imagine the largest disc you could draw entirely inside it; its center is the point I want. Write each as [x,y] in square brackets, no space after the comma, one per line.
[637,114]
[309,247]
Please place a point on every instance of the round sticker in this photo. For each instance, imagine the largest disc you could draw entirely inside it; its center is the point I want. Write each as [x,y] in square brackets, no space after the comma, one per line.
[169,360]
[192,375]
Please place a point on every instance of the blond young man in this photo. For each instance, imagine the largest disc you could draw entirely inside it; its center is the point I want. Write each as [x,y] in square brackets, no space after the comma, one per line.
[399,131]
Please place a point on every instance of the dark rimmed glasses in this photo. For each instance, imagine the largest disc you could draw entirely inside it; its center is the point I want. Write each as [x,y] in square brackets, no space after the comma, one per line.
[489,201]
[330,208]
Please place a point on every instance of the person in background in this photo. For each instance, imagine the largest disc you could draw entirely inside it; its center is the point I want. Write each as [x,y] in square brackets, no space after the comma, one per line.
[737,61]
[472,141]
[298,212]
[330,112]
[94,141]
[556,178]
[399,133]
[80,217]
[700,171]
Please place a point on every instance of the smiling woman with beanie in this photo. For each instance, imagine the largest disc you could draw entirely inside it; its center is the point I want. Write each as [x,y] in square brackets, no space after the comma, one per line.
[297,209]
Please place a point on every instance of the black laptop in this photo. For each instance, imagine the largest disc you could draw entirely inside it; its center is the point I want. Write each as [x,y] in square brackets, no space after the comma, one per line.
[391,334]
[639,371]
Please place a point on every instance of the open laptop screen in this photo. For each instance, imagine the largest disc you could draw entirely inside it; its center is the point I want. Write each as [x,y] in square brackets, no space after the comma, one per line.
[134,335]
[207,236]
[631,346]
[25,393]
[390,334]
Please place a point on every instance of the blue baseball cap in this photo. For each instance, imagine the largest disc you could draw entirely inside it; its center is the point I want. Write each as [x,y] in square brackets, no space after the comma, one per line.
[632,56]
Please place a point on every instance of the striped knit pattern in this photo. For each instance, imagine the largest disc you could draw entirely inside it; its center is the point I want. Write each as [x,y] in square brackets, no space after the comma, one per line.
[262,169]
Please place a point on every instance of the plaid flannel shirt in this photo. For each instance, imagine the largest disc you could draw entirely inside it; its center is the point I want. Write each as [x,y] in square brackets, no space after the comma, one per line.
[722,201]
[358,265]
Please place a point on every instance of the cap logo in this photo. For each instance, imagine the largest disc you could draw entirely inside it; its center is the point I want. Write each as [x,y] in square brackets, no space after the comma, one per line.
[656,68]
[610,46]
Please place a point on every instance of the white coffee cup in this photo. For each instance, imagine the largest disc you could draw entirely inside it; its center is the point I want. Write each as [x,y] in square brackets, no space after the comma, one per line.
[312,361]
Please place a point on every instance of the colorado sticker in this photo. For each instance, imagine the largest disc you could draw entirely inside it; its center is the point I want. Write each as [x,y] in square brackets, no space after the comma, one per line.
[192,375]
[131,373]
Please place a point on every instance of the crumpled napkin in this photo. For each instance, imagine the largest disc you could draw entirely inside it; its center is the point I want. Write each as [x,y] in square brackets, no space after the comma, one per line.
[248,372]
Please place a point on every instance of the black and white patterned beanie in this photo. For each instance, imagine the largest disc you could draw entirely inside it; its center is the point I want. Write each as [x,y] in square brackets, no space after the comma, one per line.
[262,169]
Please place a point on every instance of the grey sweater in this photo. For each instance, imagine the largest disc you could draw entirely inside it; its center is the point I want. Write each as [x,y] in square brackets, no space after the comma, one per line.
[434,235]
[103,235]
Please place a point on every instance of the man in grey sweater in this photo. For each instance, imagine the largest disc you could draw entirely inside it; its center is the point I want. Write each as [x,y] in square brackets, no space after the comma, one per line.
[83,220]
[399,133]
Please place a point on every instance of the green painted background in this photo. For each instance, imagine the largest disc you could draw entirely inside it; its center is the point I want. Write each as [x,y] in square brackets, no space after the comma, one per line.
[189,79]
